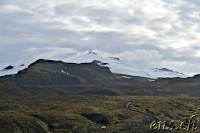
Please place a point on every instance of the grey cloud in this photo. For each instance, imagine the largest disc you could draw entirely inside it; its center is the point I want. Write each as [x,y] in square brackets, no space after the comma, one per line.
[97,15]
[112,29]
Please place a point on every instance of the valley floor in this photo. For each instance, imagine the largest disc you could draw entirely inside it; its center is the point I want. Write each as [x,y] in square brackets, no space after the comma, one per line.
[98,114]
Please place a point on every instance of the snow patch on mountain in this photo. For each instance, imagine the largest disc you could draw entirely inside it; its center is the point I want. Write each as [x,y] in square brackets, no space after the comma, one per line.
[12,70]
[121,67]
[64,72]
[115,64]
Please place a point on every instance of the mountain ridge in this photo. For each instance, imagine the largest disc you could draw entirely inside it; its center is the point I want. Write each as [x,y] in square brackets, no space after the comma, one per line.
[113,63]
[50,72]
[49,77]
[121,67]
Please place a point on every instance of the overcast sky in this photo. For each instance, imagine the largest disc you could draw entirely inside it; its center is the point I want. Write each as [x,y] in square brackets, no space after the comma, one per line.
[148,33]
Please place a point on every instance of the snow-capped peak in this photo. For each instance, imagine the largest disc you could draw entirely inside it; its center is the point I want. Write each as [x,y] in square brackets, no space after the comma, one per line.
[91,52]
[121,67]
[115,64]
[11,70]
[8,67]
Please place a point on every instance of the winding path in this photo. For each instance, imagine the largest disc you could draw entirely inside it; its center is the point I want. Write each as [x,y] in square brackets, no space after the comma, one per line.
[127,105]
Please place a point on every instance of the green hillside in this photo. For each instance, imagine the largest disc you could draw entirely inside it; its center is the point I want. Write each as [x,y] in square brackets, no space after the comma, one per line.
[55,97]
[49,77]
[53,73]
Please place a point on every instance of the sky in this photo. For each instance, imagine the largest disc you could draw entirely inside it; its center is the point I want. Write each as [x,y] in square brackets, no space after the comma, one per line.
[147,33]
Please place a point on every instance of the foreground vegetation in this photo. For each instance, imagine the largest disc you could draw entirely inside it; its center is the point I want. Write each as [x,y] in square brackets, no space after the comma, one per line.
[23,114]
[55,97]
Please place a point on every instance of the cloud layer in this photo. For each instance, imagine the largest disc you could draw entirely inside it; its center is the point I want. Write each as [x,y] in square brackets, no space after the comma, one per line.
[151,33]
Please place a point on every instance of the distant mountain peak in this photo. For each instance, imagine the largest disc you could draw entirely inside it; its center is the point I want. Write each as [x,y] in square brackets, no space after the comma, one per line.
[116,66]
[197,76]
[115,58]
[92,52]
[11,70]
[165,69]
[121,67]
[50,72]
[8,67]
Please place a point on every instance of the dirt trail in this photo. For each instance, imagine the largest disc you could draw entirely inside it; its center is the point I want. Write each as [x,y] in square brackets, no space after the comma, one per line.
[127,106]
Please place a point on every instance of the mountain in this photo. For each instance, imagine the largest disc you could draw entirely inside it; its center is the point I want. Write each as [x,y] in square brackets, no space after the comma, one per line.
[55,96]
[11,70]
[50,77]
[51,73]
[120,68]
[10,88]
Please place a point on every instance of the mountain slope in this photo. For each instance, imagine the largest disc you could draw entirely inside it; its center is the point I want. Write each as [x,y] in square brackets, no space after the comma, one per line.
[120,67]
[11,70]
[115,65]
[10,88]
[51,73]
[48,77]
